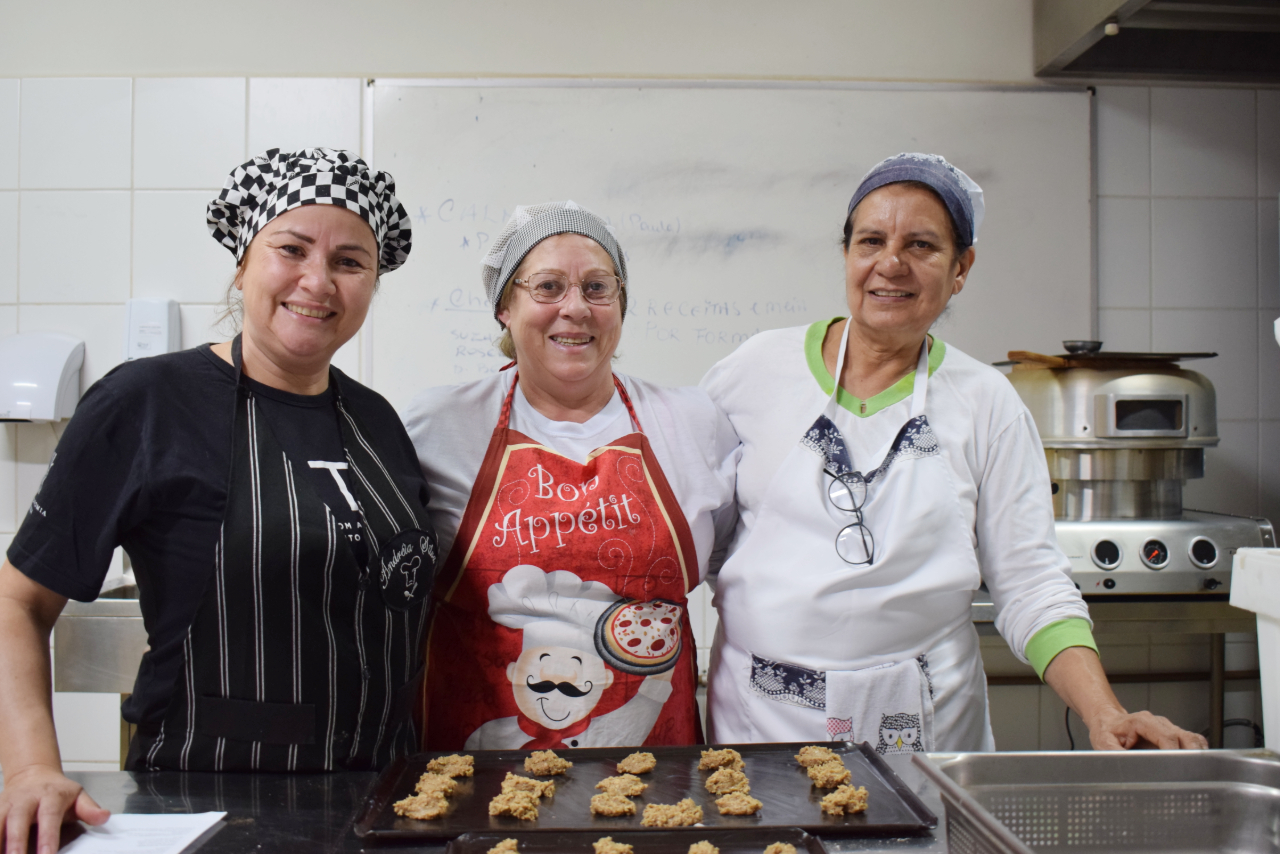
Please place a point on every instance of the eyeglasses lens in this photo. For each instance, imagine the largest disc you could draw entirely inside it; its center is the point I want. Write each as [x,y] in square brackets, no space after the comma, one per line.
[848,491]
[854,544]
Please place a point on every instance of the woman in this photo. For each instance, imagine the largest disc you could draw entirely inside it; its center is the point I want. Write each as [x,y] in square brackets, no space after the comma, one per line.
[873,508]
[272,509]
[575,531]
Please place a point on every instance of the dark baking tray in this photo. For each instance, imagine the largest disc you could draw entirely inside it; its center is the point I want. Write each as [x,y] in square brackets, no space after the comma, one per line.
[790,800]
[649,842]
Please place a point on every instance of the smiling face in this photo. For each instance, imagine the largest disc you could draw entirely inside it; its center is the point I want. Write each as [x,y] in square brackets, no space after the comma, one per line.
[557,686]
[564,348]
[307,280]
[901,266]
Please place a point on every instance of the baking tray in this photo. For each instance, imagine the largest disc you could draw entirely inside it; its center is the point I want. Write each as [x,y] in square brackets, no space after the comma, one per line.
[789,799]
[649,842]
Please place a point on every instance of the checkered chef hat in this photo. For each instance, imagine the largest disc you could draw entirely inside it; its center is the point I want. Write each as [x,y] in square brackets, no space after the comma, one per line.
[273,183]
[532,224]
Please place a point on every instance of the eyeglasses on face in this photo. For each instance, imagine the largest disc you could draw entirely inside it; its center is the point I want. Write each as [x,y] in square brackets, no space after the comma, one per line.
[554,287]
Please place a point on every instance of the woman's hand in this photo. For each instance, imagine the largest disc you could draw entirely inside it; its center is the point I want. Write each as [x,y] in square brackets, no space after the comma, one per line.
[1120,730]
[41,795]
[1078,678]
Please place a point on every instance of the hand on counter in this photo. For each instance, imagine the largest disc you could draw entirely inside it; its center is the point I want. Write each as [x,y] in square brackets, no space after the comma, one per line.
[1077,676]
[42,796]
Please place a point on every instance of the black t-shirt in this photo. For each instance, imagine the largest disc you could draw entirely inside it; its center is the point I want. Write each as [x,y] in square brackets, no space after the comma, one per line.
[144,465]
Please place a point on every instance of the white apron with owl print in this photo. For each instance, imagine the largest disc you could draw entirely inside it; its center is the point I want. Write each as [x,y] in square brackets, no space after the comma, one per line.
[811,647]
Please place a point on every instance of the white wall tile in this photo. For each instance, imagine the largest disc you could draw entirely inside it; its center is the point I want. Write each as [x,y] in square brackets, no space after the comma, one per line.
[347,359]
[1203,142]
[1269,471]
[1204,253]
[1241,652]
[1233,335]
[1268,143]
[1125,330]
[1178,653]
[1124,253]
[1053,733]
[1184,703]
[1230,482]
[74,247]
[187,132]
[8,319]
[88,726]
[1268,254]
[200,325]
[8,247]
[173,254]
[9,99]
[76,133]
[100,327]
[294,113]
[1268,366]
[1124,140]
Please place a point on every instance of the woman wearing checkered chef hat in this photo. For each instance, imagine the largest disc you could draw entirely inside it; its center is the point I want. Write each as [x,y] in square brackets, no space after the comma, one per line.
[272,507]
[576,519]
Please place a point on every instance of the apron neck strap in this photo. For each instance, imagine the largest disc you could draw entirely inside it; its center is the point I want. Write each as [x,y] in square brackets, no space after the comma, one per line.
[237,361]
[919,389]
[504,417]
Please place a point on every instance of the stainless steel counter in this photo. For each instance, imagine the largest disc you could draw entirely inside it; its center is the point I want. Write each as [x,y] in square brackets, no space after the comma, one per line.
[314,812]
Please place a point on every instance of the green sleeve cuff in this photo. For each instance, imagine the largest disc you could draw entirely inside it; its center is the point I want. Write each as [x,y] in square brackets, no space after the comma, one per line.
[1045,645]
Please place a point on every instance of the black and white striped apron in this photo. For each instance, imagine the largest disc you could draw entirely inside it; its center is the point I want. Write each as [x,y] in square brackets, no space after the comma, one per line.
[299,659]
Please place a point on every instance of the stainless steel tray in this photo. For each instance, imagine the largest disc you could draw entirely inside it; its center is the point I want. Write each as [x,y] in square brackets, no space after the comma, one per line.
[1167,801]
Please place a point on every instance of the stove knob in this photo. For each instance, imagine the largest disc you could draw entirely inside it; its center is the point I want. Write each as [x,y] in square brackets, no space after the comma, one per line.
[1109,583]
[1212,584]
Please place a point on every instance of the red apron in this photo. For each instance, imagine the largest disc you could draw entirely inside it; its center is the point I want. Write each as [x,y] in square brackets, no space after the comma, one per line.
[561,617]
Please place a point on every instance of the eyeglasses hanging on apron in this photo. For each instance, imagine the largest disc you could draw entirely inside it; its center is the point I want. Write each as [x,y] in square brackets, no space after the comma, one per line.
[299,657]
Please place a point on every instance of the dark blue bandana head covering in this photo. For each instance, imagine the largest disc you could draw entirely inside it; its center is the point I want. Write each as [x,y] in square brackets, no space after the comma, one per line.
[962,197]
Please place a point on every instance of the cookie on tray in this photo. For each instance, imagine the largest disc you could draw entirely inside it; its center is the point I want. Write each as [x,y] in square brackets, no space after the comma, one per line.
[738,803]
[726,758]
[703,847]
[436,784]
[682,814]
[611,805]
[453,766]
[828,775]
[727,780]
[624,784]
[780,848]
[845,800]
[545,763]
[521,805]
[637,763]
[422,807]
[606,845]
[537,788]
[506,846]
[814,754]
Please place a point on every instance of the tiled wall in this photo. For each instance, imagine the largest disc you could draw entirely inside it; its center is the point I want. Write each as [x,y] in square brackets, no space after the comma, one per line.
[103,184]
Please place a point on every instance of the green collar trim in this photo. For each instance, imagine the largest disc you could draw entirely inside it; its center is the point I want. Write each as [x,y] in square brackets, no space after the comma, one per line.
[899,391]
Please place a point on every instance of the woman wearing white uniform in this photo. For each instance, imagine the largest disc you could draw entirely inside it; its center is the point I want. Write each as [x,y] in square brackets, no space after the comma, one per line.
[574,532]
[872,509]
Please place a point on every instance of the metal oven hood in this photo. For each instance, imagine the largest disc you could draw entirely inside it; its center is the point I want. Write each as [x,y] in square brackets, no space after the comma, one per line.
[1236,41]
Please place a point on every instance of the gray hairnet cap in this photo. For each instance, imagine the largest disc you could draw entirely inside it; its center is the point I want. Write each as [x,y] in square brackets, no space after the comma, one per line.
[532,224]
[959,193]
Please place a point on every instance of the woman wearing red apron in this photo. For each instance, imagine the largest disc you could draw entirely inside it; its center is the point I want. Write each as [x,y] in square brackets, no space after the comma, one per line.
[576,529]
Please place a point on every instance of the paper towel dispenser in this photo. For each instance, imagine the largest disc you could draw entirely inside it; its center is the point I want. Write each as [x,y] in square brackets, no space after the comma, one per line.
[39,376]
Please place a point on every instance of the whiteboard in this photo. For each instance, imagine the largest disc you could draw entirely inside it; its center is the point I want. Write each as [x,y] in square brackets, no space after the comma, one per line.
[729,203]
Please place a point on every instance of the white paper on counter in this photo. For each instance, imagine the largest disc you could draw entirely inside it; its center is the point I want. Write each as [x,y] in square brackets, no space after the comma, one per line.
[137,833]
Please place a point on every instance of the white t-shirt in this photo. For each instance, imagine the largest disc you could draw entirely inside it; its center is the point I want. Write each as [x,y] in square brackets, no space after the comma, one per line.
[695,446]
[772,389]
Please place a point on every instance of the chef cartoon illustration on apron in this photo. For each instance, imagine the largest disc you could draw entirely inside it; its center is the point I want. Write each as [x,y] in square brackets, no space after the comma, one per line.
[561,616]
